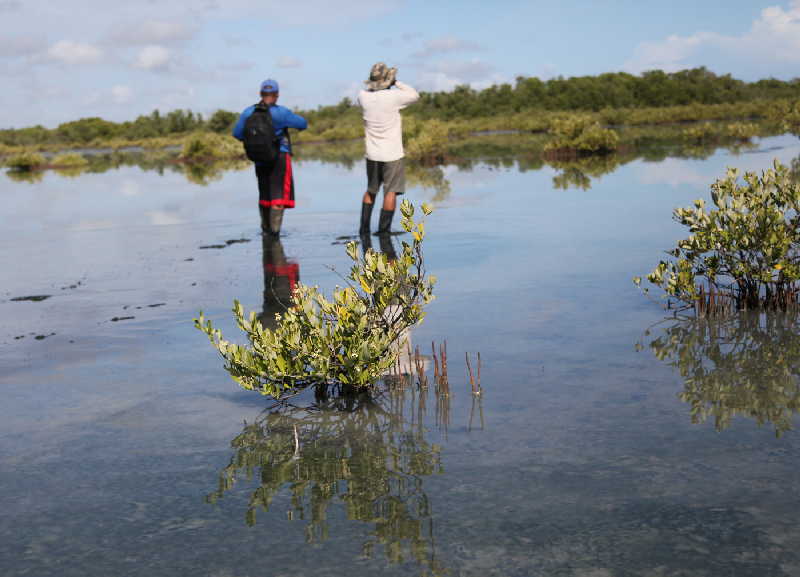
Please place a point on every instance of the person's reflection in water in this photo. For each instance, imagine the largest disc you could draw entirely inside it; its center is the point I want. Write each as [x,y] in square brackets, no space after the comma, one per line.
[280,278]
[384,243]
[404,346]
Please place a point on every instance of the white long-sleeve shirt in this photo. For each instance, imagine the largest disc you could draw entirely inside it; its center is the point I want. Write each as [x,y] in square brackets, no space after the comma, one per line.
[383,125]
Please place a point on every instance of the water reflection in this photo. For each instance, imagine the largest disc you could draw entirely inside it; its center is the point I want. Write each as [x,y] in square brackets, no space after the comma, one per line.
[579,172]
[280,277]
[31,176]
[745,365]
[364,452]
[520,150]
[358,452]
[385,245]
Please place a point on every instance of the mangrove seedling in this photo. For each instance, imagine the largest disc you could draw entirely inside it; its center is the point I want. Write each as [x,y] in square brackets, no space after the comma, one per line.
[742,254]
[350,339]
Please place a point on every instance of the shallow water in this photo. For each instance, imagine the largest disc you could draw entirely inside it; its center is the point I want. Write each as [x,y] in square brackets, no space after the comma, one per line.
[581,459]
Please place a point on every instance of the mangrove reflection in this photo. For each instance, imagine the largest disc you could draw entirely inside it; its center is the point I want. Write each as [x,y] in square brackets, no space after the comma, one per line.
[356,451]
[503,149]
[746,365]
[579,172]
[31,176]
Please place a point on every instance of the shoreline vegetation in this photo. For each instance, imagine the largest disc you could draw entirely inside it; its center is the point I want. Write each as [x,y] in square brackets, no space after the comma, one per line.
[561,120]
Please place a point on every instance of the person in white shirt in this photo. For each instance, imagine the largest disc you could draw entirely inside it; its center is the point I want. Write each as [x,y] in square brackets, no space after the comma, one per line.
[381,102]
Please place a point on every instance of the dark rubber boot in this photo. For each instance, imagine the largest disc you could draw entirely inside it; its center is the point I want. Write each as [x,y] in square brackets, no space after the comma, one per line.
[275,220]
[385,222]
[366,216]
[264,212]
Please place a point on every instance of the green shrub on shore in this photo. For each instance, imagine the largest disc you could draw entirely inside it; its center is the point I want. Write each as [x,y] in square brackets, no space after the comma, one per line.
[26,161]
[580,134]
[742,131]
[69,160]
[790,118]
[701,133]
[203,146]
[429,142]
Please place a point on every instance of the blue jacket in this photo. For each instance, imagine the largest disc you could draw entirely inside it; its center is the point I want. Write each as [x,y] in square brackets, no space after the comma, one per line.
[282,118]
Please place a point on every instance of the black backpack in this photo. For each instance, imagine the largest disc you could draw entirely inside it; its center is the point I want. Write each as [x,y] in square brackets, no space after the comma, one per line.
[260,143]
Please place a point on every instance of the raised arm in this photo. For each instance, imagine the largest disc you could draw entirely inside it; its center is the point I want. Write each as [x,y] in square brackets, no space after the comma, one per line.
[282,117]
[405,94]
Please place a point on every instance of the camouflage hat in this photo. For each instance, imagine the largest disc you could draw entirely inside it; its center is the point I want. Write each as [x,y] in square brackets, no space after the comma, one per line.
[380,77]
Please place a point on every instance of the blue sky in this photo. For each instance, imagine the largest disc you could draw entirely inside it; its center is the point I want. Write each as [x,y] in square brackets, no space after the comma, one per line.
[71,59]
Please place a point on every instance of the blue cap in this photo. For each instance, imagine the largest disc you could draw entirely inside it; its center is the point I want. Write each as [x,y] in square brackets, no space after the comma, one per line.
[269,85]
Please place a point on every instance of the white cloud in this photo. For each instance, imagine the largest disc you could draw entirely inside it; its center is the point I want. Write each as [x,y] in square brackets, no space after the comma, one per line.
[152,57]
[121,94]
[288,62]
[770,46]
[28,45]
[10,5]
[673,172]
[130,188]
[162,218]
[449,74]
[446,45]
[151,32]
[237,66]
[71,52]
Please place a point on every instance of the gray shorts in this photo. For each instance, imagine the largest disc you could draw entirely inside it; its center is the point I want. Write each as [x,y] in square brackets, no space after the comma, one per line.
[391,174]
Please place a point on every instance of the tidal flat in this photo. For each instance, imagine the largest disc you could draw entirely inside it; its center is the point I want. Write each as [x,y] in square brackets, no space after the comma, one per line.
[127,450]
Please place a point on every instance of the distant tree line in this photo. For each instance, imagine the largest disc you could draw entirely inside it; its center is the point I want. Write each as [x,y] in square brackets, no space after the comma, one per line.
[591,93]
[152,125]
[612,90]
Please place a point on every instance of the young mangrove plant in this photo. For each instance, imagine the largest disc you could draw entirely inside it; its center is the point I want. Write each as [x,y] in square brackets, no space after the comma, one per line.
[69,160]
[26,161]
[580,135]
[350,339]
[428,141]
[742,254]
[205,146]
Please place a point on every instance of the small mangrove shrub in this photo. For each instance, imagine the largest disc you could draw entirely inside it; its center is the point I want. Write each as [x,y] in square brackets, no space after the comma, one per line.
[789,117]
[702,133]
[582,135]
[742,131]
[352,339]
[26,160]
[742,254]
[69,160]
[430,141]
[202,146]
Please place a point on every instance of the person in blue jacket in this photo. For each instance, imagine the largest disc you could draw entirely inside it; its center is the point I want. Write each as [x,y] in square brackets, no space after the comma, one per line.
[275,180]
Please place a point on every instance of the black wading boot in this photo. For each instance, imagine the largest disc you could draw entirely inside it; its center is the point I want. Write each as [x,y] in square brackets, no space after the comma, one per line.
[275,220]
[385,222]
[366,216]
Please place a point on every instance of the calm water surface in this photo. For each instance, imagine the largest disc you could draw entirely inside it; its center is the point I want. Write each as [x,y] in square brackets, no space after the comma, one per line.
[605,443]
